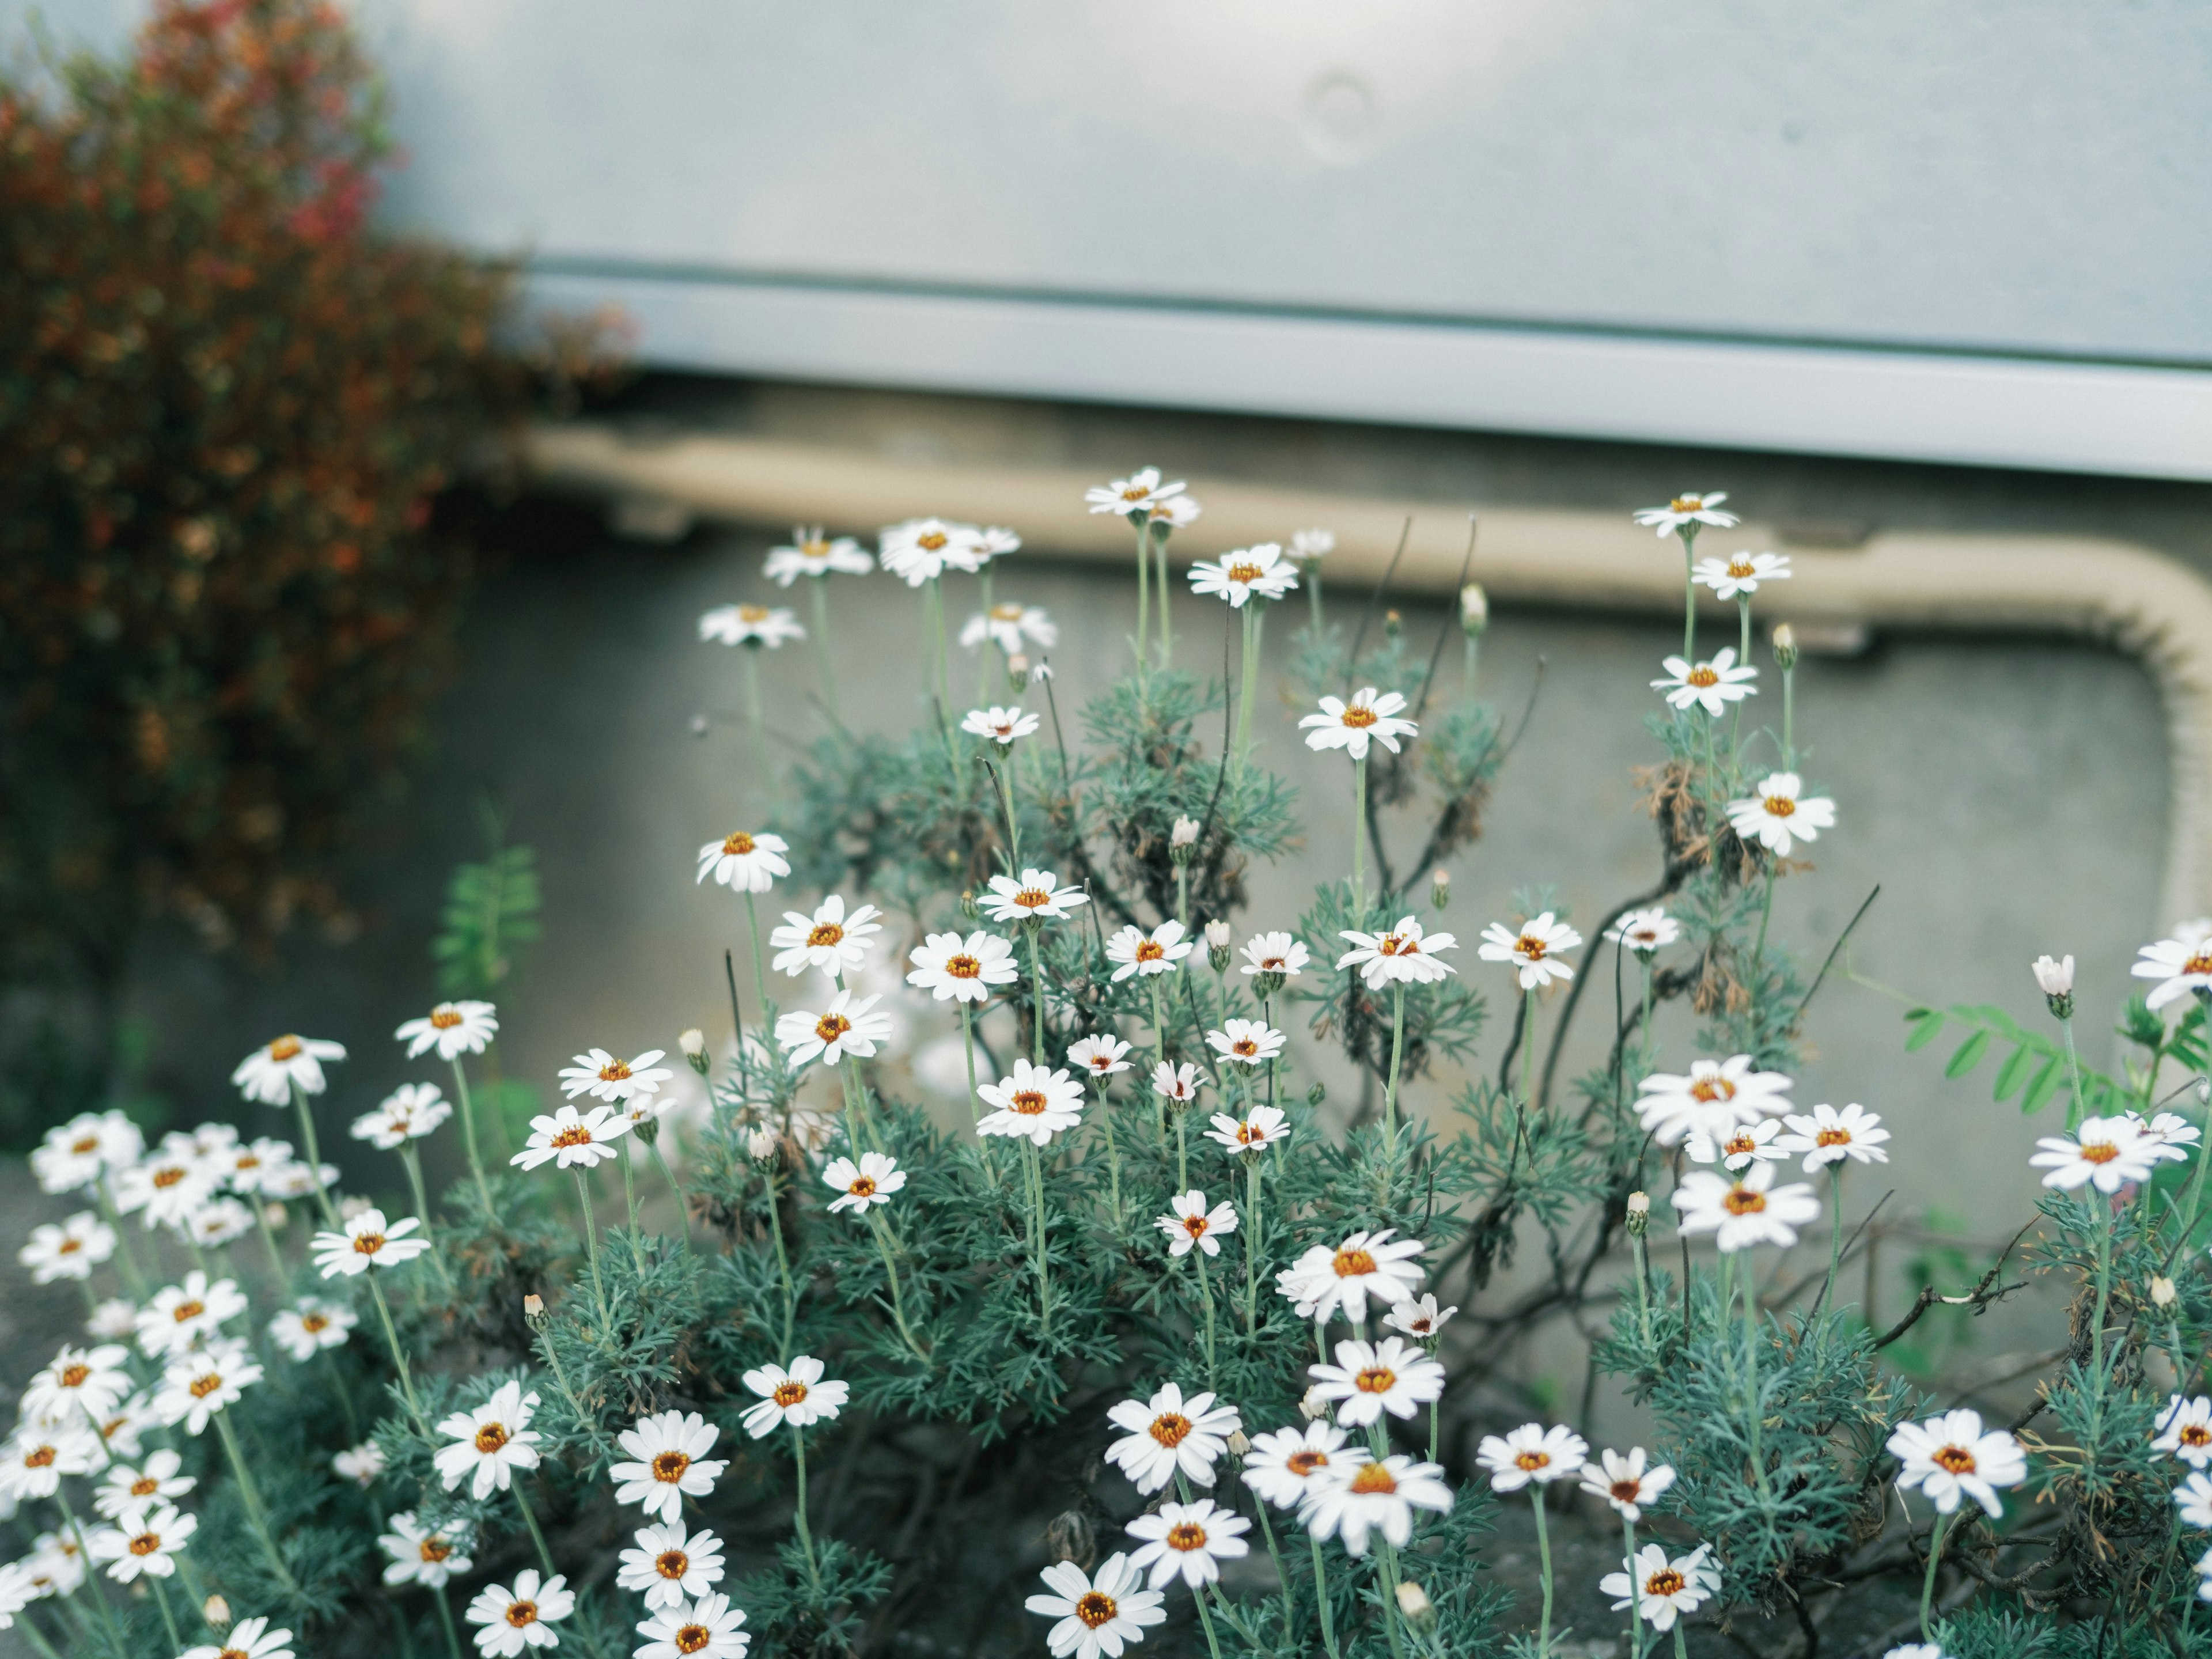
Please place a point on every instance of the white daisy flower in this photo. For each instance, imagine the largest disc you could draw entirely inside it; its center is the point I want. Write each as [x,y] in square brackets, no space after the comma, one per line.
[271,1072]
[408,1113]
[1420,1318]
[1034,1103]
[421,1556]
[1779,814]
[70,1250]
[569,1138]
[1950,1456]
[670,1464]
[1140,492]
[1325,1282]
[196,1386]
[368,1241]
[148,1543]
[1135,951]
[870,1181]
[1739,1147]
[515,1620]
[1010,628]
[1740,574]
[751,625]
[218,1222]
[813,554]
[2166,1134]
[2053,979]
[310,1325]
[1710,686]
[249,1639]
[1532,1453]
[2109,1152]
[295,1179]
[1236,577]
[78,1152]
[1246,1041]
[1189,1222]
[1178,1084]
[167,1187]
[182,1317]
[1099,1057]
[2203,1584]
[123,1488]
[359,1464]
[1361,1494]
[1260,1128]
[829,939]
[1712,1098]
[1188,1541]
[602,1077]
[1645,931]
[1309,545]
[669,1562]
[846,1027]
[2184,1429]
[36,1455]
[1625,1482]
[115,1319]
[1002,726]
[1686,509]
[1283,1466]
[744,862]
[2194,1499]
[1167,1436]
[1370,1378]
[1036,897]
[1099,1616]
[2180,964]
[490,1441]
[952,968]
[920,550]
[453,1029]
[797,1396]
[1830,1136]
[1274,953]
[54,1566]
[1747,1211]
[710,1628]
[78,1385]
[124,1428]
[1405,954]
[263,1167]
[1662,1590]
[1533,949]
[1352,725]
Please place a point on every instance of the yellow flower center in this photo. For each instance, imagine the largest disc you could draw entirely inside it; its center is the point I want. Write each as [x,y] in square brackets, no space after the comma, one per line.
[1359,716]
[1196,1225]
[1186,1535]
[830,1027]
[1134,492]
[1741,1200]
[1740,1143]
[444,1016]
[144,1486]
[576,1134]
[1303,1463]
[1779,807]
[963,967]
[185,1312]
[1627,1492]
[736,843]
[1028,1101]
[789,1393]
[1005,613]
[1372,1480]
[2194,1434]
[671,1564]
[1530,1462]
[2199,963]
[824,934]
[87,1144]
[862,1186]
[2099,1151]
[1663,1583]
[670,1466]
[614,1071]
[1957,1459]
[1351,1264]
[932,541]
[285,1047]
[1740,565]
[1244,573]
[146,1543]
[169,1176]
[1702,675]
[491,1437]
[1169,1429]
[519,1613]
[1376,1379]
[73,1376]
[1244,1048]
[69,1247]
[752,613]
[1832,1138]
[435,1550]
[1150,950]
[1095,1607]
[1687,504]
[1030,898]
[40,1457]
[201,1387]
[1529,947]
[692,1638]
[1709,1089]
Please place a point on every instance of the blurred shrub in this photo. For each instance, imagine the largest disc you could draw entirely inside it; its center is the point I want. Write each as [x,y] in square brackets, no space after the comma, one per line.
[226,407]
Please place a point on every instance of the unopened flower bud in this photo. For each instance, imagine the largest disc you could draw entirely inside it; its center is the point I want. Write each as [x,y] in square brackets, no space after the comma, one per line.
[275,1215]
[351,1208]
[648,1128]
[1239,1443]
[1018,664]
[1413,1603]
[968,908]
[533,1309]
[693,1042]
[1182,841]
[1216,945]
[2162,1291]
[1070,1537]
[1785,648]
[1264,986]
[1474,609]
[1316,1095]
[2057,979]
[1041,672]
[1639,1213]
[760,1145]
[1313,1407]
[1393,624]
[1440,889]
[216,1611]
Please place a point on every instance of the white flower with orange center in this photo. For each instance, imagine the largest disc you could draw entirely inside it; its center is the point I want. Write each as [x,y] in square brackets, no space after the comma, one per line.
[1167,1434]
[1691,508]
[181,1317]
[710,1628]
[814,554]
[746,860]
[671,1562]
[1828,1135]
[1533,949]
[78,1385]
[1370,1378]
[1190,1225]
[1951,1456]
[1310,546]
[1034,1103]
[1362,1494]
[1188,1541]
[453,1029]
[920,550]
[1137,953]
[1532,1454]
[869,1182]
[795,1398]
[2106,1152]
[169,1185]
[571,1139]
[78,1152]
[125,1488]
[148,1543]
[272,1071]
[489,1442]
[1038,896]
[368,1241]
[753,626]
[1712,686]
[1738,575]
[608,1077]
[1134,495]
[1010,628]
[2166,1134]
[668,1462]
[1277,953]
[512,1621]
[1177,1084]
[2181,965]
[1001,725]
[36,1455]
[310,1326]
[1369,717]
[1099,1057]
[1711,1098]
[1779,814]
[1099,1615]
[1740,1146]
[1339,1281]
[2184,1429]
[1237,577]
[420,1555]
[70,1250]
[408,1113]
[1245,1041]
[218,1223]
[1747,1211]
[196,1385]
[1283,1464]
[2193,1499]
[359,1464]
[1420,1318]
[1663,1590]
[847,1026]
[1646,932]
[830,940]
[1260,1128]
[1629,1484]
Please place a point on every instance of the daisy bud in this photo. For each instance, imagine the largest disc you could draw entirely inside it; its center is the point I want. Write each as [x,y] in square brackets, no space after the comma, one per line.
[275,1215]
[1042,672]
[1313,1407]
[533,1309]
[216,1611]
[1182,841]
[349,1208]
[1393,624]
[1474,609]
[647,1129]
[1070,1537]
[1018,666]
[2162,1291]
[1440,889]
[1216,945]
[1264,986]
[968,908]
[1413,1603]
[1316,1095]
[693,1042]
[1786,646]
[760,1145]
[1639,1213]
[1238,1442]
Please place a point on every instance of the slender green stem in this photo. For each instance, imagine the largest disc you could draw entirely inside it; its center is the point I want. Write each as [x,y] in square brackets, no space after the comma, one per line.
[683,1204]
[1635,1600]
[1681,1642]
[345,1396]
[760,970]
[1544,1553]
[1031,1164]
[1928,1585]
[1251,1243]
[1113,1154]
[1765,912]
[168,1617]
[91,1585]
[38,1640]
[1036,981]
[1755,1401]
[1167,623]
[856,1105]
[412,1160]
[782,1266]
[939,644]
[1469,661]
[2075,1110]
[1789,717]
[314,1157]
[1248,682]
[1688,533]
[1386,1576]
[1529,1082]
[1311,577]
[1321,1599]
[1206,1295]
[591,1247]
[1144,589]
[530,1520]
[1743,644]
[799,1514]
[398,1353]
[469,1131]
[1835,1231]
[757,718]
[2100,1217]
[1160,1019]
[1642,1290]
[882,1230]
[1397,1054]
[1206,1624]
[1359,837]
[820,597]
[446,1618]
[986,644]
[1182,1145]
[256,1517]
[269,1242]
[2196,1181]
[629,1189]
[131,1274]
